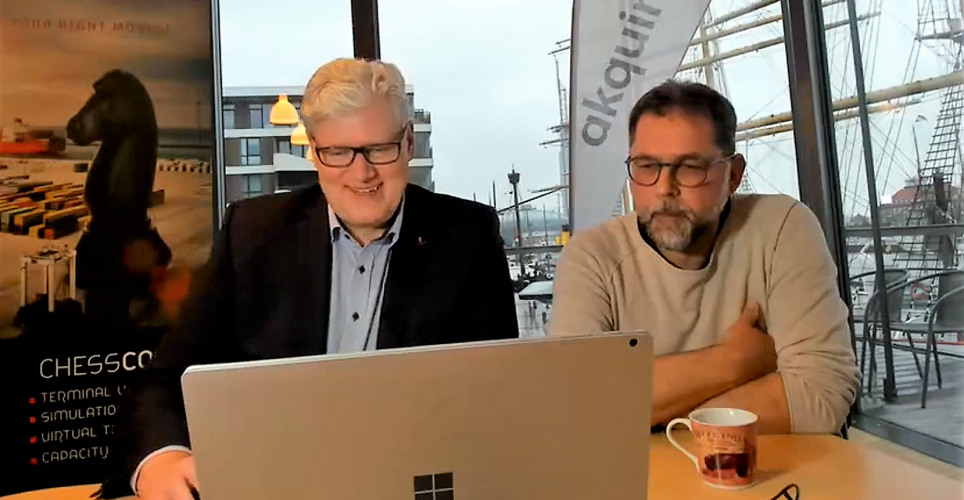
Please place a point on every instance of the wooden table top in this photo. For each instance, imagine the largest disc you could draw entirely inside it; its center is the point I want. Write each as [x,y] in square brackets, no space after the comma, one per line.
[824,467]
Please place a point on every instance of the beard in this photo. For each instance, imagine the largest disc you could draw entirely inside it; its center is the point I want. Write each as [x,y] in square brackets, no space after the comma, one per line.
[674,227]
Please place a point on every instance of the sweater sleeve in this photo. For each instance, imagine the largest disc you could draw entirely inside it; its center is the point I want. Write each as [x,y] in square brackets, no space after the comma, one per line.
[580,303]
[808,322]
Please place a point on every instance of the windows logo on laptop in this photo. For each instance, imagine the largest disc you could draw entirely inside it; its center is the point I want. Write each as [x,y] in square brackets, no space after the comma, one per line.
[435,487]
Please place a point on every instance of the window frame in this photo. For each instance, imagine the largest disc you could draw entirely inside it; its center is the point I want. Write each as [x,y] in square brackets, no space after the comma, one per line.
[226,109]
[245,151]
[255,114]
[247,189]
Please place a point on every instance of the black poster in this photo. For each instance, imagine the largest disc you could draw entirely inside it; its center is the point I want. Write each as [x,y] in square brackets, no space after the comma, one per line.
[106,153]
[59,404]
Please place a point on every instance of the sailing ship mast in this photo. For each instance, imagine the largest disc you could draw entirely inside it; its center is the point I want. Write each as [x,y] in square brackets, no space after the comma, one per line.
[709,64]
[705,62]
[938,23]
[937,187]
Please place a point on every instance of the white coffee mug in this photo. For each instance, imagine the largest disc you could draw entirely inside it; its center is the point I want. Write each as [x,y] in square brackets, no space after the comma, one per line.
[726,442]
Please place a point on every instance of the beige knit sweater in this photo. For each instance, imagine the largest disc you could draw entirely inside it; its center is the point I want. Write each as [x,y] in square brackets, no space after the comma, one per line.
[770,250]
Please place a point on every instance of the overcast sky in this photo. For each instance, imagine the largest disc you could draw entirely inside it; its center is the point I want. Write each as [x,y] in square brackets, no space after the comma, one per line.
[485,74]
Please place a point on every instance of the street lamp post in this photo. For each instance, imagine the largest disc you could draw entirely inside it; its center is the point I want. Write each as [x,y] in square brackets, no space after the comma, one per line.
[514,180]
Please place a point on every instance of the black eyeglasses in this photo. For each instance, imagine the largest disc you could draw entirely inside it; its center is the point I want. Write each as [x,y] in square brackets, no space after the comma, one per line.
[376,154]
[690,172]
[786,493]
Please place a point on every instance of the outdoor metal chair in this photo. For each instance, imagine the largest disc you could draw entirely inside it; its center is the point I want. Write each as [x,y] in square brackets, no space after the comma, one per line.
[945,314]
[892,278]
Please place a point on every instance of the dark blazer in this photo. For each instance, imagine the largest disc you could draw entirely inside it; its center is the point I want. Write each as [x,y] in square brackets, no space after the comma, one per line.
[265,293]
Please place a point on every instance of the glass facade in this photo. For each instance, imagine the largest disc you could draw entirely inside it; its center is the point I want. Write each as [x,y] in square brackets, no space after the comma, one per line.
[898,141]
[744,59]
[493,101]
[873,148]
[485,117]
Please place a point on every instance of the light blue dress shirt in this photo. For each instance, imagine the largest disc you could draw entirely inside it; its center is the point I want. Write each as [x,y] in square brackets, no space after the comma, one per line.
[357,286]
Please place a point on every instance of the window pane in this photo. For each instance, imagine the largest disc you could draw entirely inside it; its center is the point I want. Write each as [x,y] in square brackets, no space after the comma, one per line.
[255,111]
[518,110]
[228,117]
[250,152]
[262,43]
[423,147]
[251,186]
[756,83]
[915,175]
[263,49]
[283,146]
[296,179]
[492,98]
[266,115]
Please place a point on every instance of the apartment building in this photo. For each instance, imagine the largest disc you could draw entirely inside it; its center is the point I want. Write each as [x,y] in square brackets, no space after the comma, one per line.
[260,159]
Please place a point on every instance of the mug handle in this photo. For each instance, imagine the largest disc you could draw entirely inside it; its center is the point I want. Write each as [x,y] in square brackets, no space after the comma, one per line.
[669,435]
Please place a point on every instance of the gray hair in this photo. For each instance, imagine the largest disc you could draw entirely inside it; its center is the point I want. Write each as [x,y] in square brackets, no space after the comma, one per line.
[346,85]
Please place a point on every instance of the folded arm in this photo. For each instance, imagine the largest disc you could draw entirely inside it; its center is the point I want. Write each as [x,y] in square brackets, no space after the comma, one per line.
[816,378]
[808,322]
[582,305]
[685,380]
[765,397]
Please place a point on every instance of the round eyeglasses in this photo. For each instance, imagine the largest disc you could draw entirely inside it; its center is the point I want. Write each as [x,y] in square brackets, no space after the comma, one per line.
[689,172]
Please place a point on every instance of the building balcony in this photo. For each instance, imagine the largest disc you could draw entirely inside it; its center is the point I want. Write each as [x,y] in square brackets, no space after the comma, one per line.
[421,116]
[284,162]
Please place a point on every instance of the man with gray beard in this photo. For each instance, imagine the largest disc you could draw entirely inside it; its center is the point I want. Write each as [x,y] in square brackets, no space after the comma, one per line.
[738,291]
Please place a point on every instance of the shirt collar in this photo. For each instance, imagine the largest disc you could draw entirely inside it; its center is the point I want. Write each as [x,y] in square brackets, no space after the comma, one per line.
[390,236]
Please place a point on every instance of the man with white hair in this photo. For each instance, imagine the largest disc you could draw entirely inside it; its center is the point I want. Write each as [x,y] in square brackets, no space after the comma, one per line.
[361,261]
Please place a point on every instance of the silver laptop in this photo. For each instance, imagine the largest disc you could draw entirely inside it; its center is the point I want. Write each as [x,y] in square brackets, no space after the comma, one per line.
[553,419]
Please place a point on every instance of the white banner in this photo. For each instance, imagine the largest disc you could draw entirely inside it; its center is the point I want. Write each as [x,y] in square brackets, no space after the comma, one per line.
[620,50]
